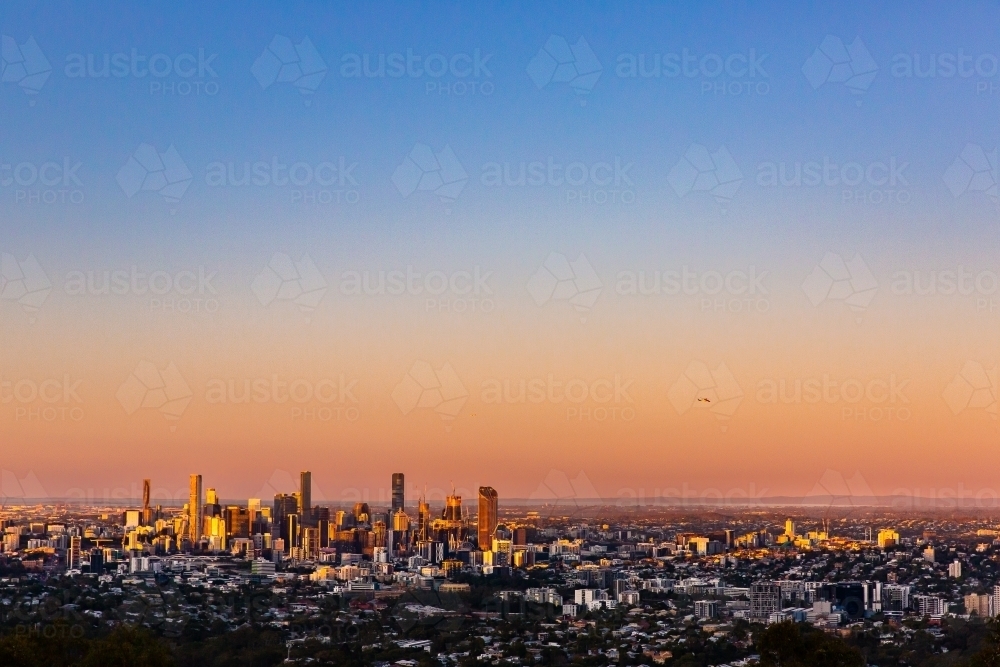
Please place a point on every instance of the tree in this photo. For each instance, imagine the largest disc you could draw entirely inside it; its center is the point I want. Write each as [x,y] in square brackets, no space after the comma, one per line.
[989,653]
[128,647]
[790,644]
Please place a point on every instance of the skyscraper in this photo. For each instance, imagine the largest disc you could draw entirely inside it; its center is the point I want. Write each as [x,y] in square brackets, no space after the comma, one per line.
[398,498]
[147,514]
[305,497]
[423,519]
[285,506]
[487,516]
[195,509]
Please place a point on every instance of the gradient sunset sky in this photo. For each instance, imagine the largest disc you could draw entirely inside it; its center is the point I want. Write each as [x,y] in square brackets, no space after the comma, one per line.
[705,280]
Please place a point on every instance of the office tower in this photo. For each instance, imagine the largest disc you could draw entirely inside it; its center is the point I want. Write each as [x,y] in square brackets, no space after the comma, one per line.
[362,513]
[290,531]
[765,599]
[97,562]
[339,518]
[147,516]
[398,497]
[423,520]
[896,597]
[955,569]
[253,507]
[285,506]
[323,527]
[237,521]
[400,521]
[452,508]
[195,515]
[310,543]
[73,553]
[487,518]
[789,528]
[305,497]
[212,507]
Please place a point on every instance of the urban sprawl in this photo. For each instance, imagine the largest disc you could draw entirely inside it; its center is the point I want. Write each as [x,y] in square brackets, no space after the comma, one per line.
[504,584]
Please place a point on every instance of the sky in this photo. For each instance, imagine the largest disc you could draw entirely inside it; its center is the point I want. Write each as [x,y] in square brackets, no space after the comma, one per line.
[562,249]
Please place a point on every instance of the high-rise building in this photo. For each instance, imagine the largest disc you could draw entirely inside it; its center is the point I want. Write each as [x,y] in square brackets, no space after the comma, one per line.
[487,518]
[73,553]
[147,512]
[423,520]
[887,538]
[981,605]
[789,528]
[305,497]
[765,599]
[955,569]
[195,514]
[452,508]
[362,513]
[237,521]
[285,506]
[400,521]
[398,494]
